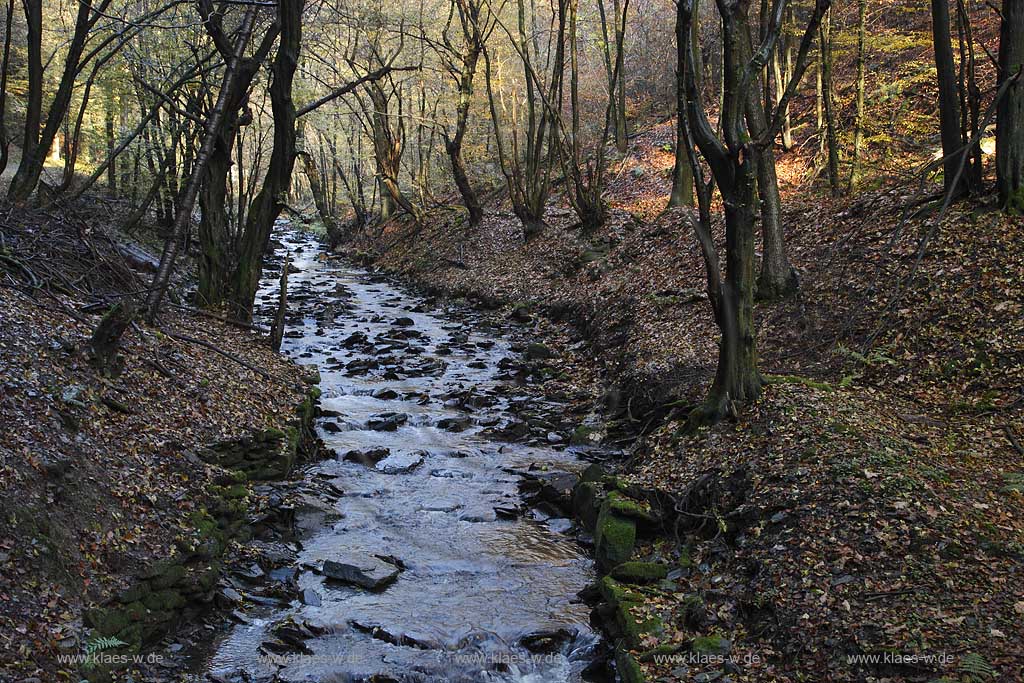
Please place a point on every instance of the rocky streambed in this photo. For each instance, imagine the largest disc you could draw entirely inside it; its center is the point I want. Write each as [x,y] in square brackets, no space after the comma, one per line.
[435,542]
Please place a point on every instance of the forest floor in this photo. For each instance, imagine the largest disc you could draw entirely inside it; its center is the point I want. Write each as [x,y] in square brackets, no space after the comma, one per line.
[868,522]
[100,473]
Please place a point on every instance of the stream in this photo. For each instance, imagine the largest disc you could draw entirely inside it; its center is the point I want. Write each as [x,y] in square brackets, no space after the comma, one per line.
[425,565]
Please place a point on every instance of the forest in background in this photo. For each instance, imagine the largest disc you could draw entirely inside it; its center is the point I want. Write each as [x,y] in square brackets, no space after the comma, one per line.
[786,234]
[387,109]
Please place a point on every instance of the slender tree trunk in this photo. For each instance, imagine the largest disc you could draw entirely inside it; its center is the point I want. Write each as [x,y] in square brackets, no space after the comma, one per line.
[969,99]
[607,37]
[4,65]
[216,238]
[277,330]
[949,109]
[831,135]
[470,19]
[324,205]
[858,122]
[621,126]
[1010,110]
[34,98]
[782,67]
[108,129]
[682,174]
[778,278]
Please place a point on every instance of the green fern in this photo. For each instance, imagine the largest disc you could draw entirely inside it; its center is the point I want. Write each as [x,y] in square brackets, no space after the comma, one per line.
[975,669]
[97,645]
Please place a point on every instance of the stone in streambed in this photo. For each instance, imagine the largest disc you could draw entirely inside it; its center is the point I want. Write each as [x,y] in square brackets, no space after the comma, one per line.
[401,463]
[369,457]
[454,424]
[365,571]
[387,422]
[546,642]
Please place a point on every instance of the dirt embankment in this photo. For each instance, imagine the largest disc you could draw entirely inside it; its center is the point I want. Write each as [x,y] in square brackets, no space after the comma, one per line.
[116,515]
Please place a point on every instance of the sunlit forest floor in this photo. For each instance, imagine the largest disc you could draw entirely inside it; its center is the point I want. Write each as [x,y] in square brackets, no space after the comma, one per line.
[871,501]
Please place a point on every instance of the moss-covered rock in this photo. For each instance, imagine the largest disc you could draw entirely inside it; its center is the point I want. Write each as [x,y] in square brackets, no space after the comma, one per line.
[639,572]
[172,575]
[614,538]
[593,473]
[714,644]
[627,667]
[625,506]
[184,584]
[164,601]
[585,435]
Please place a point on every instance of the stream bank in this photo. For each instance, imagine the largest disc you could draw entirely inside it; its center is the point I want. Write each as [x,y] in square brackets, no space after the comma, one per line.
[106,498]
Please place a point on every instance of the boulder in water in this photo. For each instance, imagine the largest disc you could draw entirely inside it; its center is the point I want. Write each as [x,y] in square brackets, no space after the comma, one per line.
[365,571]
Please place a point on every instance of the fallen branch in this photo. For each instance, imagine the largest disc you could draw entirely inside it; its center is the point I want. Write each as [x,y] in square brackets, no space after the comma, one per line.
[33,281]
[226,354]
[221,318]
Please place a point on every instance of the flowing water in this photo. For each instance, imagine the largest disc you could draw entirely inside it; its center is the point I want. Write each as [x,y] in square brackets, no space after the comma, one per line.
[482,595]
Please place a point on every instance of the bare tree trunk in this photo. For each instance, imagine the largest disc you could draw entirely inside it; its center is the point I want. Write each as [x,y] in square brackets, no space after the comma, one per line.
[324,206]
[277,330]
[4,65]
[782,67]
[34,98]
[969,99]
[682,175]
[621,126]
[216,239]
[476,24]
[108,128]
[1010,110]
[858,124]
[732,160]
[949,109]
[831,135]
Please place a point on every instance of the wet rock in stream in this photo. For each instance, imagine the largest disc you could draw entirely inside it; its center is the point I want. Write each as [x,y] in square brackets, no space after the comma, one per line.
[387,422]
[365,571]
[401,463]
